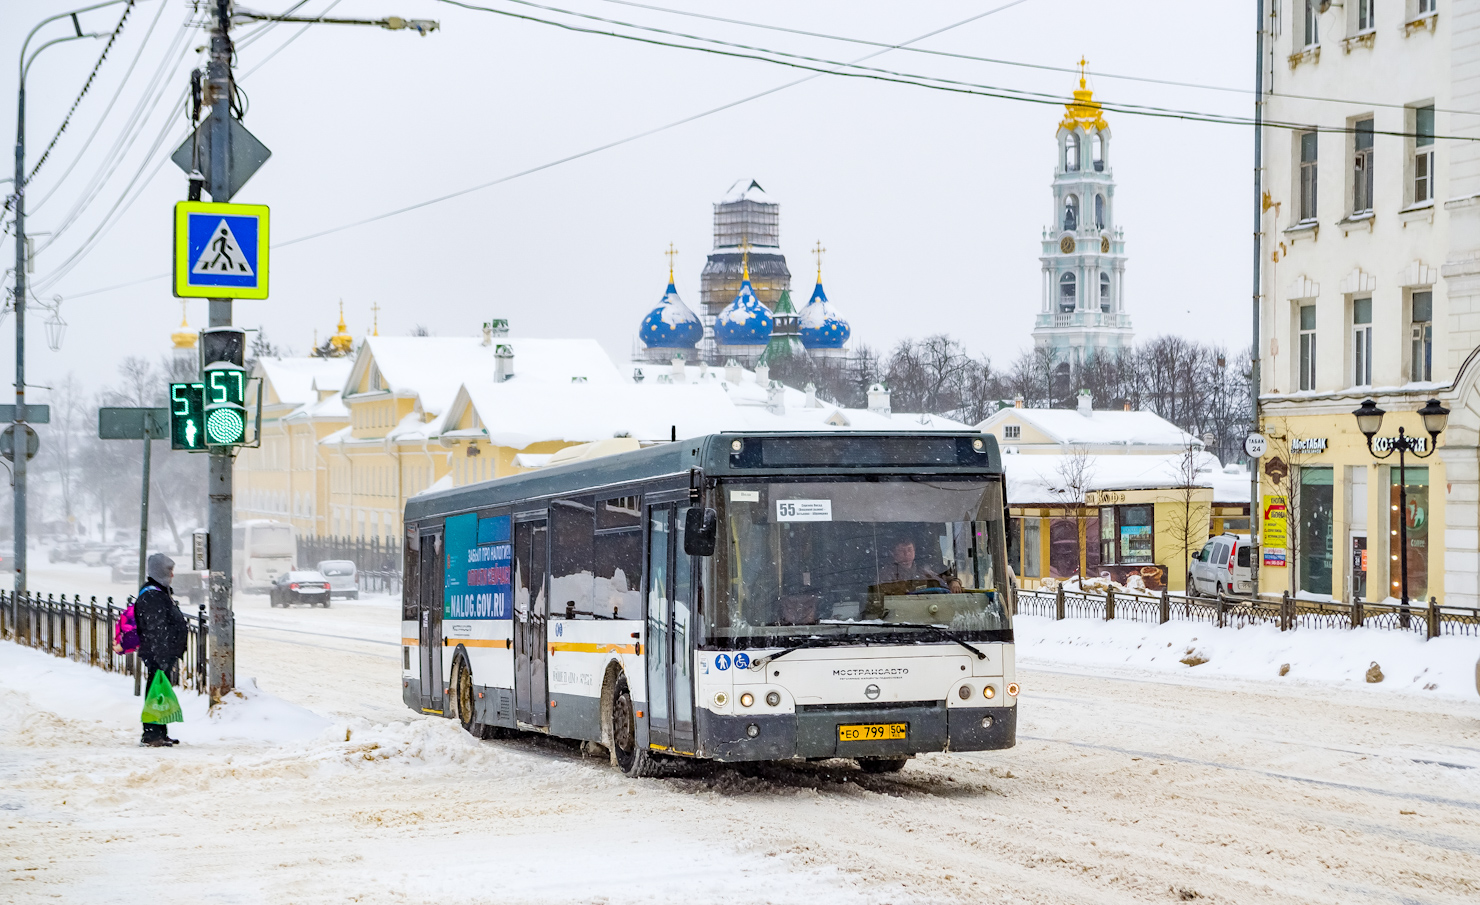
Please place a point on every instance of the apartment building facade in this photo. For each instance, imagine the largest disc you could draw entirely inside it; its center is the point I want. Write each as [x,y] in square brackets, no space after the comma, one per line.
[1370,282]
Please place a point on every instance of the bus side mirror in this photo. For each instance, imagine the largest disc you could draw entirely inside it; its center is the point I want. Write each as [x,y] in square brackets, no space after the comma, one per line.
[699,529]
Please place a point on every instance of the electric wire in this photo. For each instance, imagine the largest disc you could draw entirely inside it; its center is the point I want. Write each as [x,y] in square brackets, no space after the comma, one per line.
[86,86]
[1014,63]
[936,83]
[112,102]
[296,35]
[587,153]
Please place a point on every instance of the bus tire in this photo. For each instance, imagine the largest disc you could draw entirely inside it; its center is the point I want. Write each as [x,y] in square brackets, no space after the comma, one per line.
[882,764]
[462,685]
[632,760]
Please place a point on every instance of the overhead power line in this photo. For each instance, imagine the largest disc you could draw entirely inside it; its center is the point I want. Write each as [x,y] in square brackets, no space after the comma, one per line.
[935,83]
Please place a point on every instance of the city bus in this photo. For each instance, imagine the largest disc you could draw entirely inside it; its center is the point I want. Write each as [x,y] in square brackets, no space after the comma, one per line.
[735,597]
[261,550]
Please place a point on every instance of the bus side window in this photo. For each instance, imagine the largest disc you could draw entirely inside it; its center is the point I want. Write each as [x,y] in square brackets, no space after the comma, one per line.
[572,559]
[411,581]
[617,589]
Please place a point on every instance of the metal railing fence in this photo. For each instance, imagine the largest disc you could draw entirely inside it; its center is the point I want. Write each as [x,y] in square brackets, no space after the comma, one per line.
[82,631]
[1431,621]
[377,562]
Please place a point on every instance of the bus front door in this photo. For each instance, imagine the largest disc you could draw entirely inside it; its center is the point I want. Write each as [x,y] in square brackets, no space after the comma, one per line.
[668,647]
[430,593]
[531,581]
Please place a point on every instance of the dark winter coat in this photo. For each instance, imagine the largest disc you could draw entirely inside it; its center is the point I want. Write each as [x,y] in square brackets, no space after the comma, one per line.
[162,627]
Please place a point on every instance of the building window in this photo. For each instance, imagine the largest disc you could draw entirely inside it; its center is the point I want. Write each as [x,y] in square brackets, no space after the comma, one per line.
[1097,152]
[1104,292]
[1312,14]
[1066,293]
[1423,155]
[1099,212]
[1364,15]
[1427,6]
[1307,347]
[1307,175]
[1362,168]
[1012,431]
[1032,551]
[1362,342]
[1071,213]
[1071,152]
[1422,352]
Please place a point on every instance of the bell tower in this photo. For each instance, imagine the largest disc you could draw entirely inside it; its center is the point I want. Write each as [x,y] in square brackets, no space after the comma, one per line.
[1083,311]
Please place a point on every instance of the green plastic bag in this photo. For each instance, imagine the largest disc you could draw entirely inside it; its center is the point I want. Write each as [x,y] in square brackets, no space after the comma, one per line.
[160,704]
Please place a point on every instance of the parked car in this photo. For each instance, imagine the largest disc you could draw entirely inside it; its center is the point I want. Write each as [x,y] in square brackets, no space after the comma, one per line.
[67,551]
[1222,566]
[299,586]
[341,575]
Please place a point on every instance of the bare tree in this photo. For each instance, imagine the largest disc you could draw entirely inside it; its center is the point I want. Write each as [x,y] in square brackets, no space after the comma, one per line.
[1190,518]
[1076,473]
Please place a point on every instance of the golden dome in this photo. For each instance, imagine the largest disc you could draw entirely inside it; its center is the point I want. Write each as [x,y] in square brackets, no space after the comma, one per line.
[1085,111]
[184,338]
[341,341]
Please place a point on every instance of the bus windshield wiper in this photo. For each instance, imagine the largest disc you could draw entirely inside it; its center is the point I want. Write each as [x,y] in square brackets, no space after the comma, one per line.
[944,633]
[816,642]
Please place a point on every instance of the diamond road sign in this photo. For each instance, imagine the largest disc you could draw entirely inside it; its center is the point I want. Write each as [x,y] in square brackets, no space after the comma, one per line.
[247,154]
[221,250]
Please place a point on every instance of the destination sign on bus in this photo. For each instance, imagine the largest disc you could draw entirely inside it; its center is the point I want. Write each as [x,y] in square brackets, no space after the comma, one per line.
[479,566]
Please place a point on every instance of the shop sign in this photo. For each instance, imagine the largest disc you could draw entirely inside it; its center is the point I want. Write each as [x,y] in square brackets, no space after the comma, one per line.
[1275,532]
[1104,497]
[1276,468]
[1385,444]
[1274,556]
[1307,445]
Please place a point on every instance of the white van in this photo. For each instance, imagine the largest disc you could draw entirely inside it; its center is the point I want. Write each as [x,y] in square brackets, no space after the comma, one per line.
[261,550]
[1222,566]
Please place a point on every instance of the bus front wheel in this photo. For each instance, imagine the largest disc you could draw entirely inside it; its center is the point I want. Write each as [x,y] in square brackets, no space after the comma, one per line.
[882,764]
[466,702]
[632,760]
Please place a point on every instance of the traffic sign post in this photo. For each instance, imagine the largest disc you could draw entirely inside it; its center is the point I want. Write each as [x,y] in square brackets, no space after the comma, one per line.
[120,423]
[221,250]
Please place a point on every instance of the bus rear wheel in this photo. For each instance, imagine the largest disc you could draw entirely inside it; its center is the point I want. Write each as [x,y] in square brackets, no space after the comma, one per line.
[633,760]
[882,764]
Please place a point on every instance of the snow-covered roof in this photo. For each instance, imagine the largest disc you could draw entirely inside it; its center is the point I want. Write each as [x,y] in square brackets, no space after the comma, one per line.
[434,367]
[746,190]
[1099,428]
[1036,479]
[298,380]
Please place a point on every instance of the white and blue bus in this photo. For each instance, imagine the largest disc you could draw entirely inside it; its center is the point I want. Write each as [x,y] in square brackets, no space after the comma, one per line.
[735,597]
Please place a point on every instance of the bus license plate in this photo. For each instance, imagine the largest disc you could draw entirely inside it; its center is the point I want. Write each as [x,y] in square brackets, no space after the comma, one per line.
[869,732]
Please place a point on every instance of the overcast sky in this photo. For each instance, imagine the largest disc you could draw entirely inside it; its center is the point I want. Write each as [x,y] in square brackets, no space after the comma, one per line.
[931,204]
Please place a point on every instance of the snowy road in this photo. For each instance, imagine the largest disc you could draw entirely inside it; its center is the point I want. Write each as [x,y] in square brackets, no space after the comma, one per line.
[1126,786]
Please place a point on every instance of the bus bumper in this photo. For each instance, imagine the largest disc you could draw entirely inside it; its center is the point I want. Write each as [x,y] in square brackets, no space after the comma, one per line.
[814,733]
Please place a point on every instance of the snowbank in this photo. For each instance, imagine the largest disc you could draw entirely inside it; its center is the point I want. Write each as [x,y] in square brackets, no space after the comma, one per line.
[80,693]
[1406,663]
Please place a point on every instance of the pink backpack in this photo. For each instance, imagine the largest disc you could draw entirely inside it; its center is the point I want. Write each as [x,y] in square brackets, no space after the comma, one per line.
[126,632]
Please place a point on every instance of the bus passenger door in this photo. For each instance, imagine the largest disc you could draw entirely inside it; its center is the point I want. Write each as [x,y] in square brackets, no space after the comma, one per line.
[659,593]
[531,583]
[430,593]
[681,644]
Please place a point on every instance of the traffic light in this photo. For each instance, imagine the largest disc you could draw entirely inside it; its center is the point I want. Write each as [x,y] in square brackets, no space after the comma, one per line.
[224,382]
[187,416]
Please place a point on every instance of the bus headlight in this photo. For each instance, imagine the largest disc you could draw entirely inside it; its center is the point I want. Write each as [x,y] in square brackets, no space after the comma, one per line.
[773,698]
[964,692]
[747,699]
[721,699]
[989,692]
[978,445]
[1012,689]
[736,445]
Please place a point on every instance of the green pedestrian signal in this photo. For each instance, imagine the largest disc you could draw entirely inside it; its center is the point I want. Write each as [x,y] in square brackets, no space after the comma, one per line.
[187,416]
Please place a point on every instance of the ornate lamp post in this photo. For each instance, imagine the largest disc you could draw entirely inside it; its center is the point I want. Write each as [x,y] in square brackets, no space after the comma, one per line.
[1369,421]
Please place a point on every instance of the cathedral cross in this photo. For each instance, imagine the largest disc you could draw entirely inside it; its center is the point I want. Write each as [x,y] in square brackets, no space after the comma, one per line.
[818,251]
[671,253]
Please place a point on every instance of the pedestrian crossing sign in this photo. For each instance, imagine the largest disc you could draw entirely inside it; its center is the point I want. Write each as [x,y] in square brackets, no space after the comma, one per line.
[221,250]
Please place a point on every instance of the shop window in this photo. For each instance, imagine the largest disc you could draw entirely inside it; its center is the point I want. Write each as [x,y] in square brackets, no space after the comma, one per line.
[1362,342]
[1315,511]
[1127,534]
[1416,514]
[1421,352]
[1032,551]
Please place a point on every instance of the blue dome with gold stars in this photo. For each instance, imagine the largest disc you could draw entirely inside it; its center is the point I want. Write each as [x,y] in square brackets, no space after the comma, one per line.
[822,328]
[745,321]
[671,325]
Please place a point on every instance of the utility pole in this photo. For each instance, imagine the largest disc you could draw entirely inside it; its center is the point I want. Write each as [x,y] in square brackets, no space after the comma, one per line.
[221,668]
[1256,510]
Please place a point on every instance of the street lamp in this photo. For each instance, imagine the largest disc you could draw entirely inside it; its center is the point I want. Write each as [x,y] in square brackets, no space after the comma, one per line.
[1369,421]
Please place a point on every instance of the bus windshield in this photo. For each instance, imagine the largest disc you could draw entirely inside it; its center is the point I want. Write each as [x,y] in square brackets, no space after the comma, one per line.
[858,556]
[272,540]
